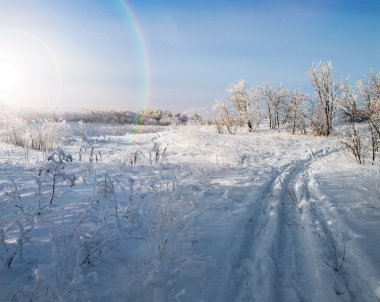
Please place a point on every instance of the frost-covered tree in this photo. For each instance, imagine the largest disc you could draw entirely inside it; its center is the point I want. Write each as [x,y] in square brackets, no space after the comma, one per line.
[349,106]
[296,113]
[280,105]
[369,90]
[242,99]
[362,105]
[225,117]
[353,140]
[328,92]
[276,100]
[266,94]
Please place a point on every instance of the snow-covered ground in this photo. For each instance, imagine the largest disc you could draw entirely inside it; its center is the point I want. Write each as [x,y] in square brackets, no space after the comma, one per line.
[186,214]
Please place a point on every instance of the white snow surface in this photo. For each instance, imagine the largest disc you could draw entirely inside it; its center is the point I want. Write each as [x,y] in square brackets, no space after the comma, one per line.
[265,216]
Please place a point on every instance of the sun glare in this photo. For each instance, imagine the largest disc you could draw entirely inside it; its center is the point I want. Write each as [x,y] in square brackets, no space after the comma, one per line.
[29,72]
[9,77]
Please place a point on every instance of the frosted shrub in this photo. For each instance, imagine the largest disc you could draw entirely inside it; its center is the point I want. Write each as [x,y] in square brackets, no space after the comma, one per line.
[39,135]
[356,144]
[131,210]
[12,241]
[363,142]
[14,196]
[182,118]
[157,153]
[16,132]
[93,236]
[105,191]
[82,131]
[225,117]
[134,158]
[165,217]
[44,134]
[162,222]
[55,168]
[105,187]
[62,279]
[65,278]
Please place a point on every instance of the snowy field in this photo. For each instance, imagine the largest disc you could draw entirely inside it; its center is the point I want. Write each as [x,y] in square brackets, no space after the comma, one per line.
[186,214]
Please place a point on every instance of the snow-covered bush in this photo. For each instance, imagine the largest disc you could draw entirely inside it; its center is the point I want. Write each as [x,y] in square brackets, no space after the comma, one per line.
[45,134]
[14,197]
[55,168]
[62,279]
[135,157]
[225,117]
[163,219]
[182,118]
[39,135]
[82,131]
[195,119]
[157,153]
[16,130]
[12,239]
[355,142]
[105,191]
[363,141]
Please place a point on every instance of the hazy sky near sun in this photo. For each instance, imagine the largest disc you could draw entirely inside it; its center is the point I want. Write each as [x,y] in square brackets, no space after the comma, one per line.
[174,54]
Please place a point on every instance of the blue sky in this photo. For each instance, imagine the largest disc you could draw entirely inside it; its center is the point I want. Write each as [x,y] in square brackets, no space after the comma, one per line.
[83,53]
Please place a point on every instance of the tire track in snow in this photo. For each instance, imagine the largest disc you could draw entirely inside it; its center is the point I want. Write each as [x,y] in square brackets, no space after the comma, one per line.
[352,282]
[272,263]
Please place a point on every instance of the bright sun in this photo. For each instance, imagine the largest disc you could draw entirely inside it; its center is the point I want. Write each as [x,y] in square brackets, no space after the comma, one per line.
[9,76]
[30,74]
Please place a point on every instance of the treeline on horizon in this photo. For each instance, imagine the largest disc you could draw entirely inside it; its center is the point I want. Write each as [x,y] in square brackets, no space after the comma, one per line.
[149,117]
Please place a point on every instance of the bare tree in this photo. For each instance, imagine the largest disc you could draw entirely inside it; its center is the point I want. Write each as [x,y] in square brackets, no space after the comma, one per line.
[328,94]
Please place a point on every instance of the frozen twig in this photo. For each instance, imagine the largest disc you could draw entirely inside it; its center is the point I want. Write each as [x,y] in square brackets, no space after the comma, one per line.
[335,261]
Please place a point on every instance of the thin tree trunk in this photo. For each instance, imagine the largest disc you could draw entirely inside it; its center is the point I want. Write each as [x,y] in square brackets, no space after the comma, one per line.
[53,191]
